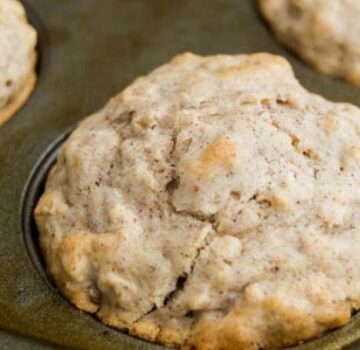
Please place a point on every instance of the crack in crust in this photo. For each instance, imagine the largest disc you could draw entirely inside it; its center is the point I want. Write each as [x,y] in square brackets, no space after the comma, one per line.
[308,153]
[182,279]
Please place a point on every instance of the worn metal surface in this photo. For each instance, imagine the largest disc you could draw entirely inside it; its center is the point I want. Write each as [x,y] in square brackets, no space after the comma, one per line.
[90,49]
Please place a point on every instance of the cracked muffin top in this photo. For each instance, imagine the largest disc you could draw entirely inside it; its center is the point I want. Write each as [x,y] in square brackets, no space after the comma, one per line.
[213,204]
[324,33]
[17,58]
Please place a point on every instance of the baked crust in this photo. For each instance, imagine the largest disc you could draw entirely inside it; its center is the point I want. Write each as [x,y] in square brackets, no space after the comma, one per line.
[213,204]
[324,33]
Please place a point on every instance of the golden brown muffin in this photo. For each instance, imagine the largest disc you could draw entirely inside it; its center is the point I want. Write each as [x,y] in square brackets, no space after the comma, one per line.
[213,204]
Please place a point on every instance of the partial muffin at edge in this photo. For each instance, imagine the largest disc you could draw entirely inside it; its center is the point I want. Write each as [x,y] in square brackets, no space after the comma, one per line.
[324,33]
[17,59]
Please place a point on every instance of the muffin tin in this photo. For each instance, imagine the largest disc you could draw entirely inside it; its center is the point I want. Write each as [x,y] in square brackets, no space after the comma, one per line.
[88,51]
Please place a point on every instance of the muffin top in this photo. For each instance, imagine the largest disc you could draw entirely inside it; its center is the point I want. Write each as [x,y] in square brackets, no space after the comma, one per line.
[214,203]
[325,33]
[17,58]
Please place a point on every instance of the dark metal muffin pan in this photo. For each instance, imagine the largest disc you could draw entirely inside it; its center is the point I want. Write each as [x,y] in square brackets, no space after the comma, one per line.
[89,50]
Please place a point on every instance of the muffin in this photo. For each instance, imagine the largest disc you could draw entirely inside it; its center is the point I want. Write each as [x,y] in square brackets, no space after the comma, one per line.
[17,59]
[212,204]
[324,33]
